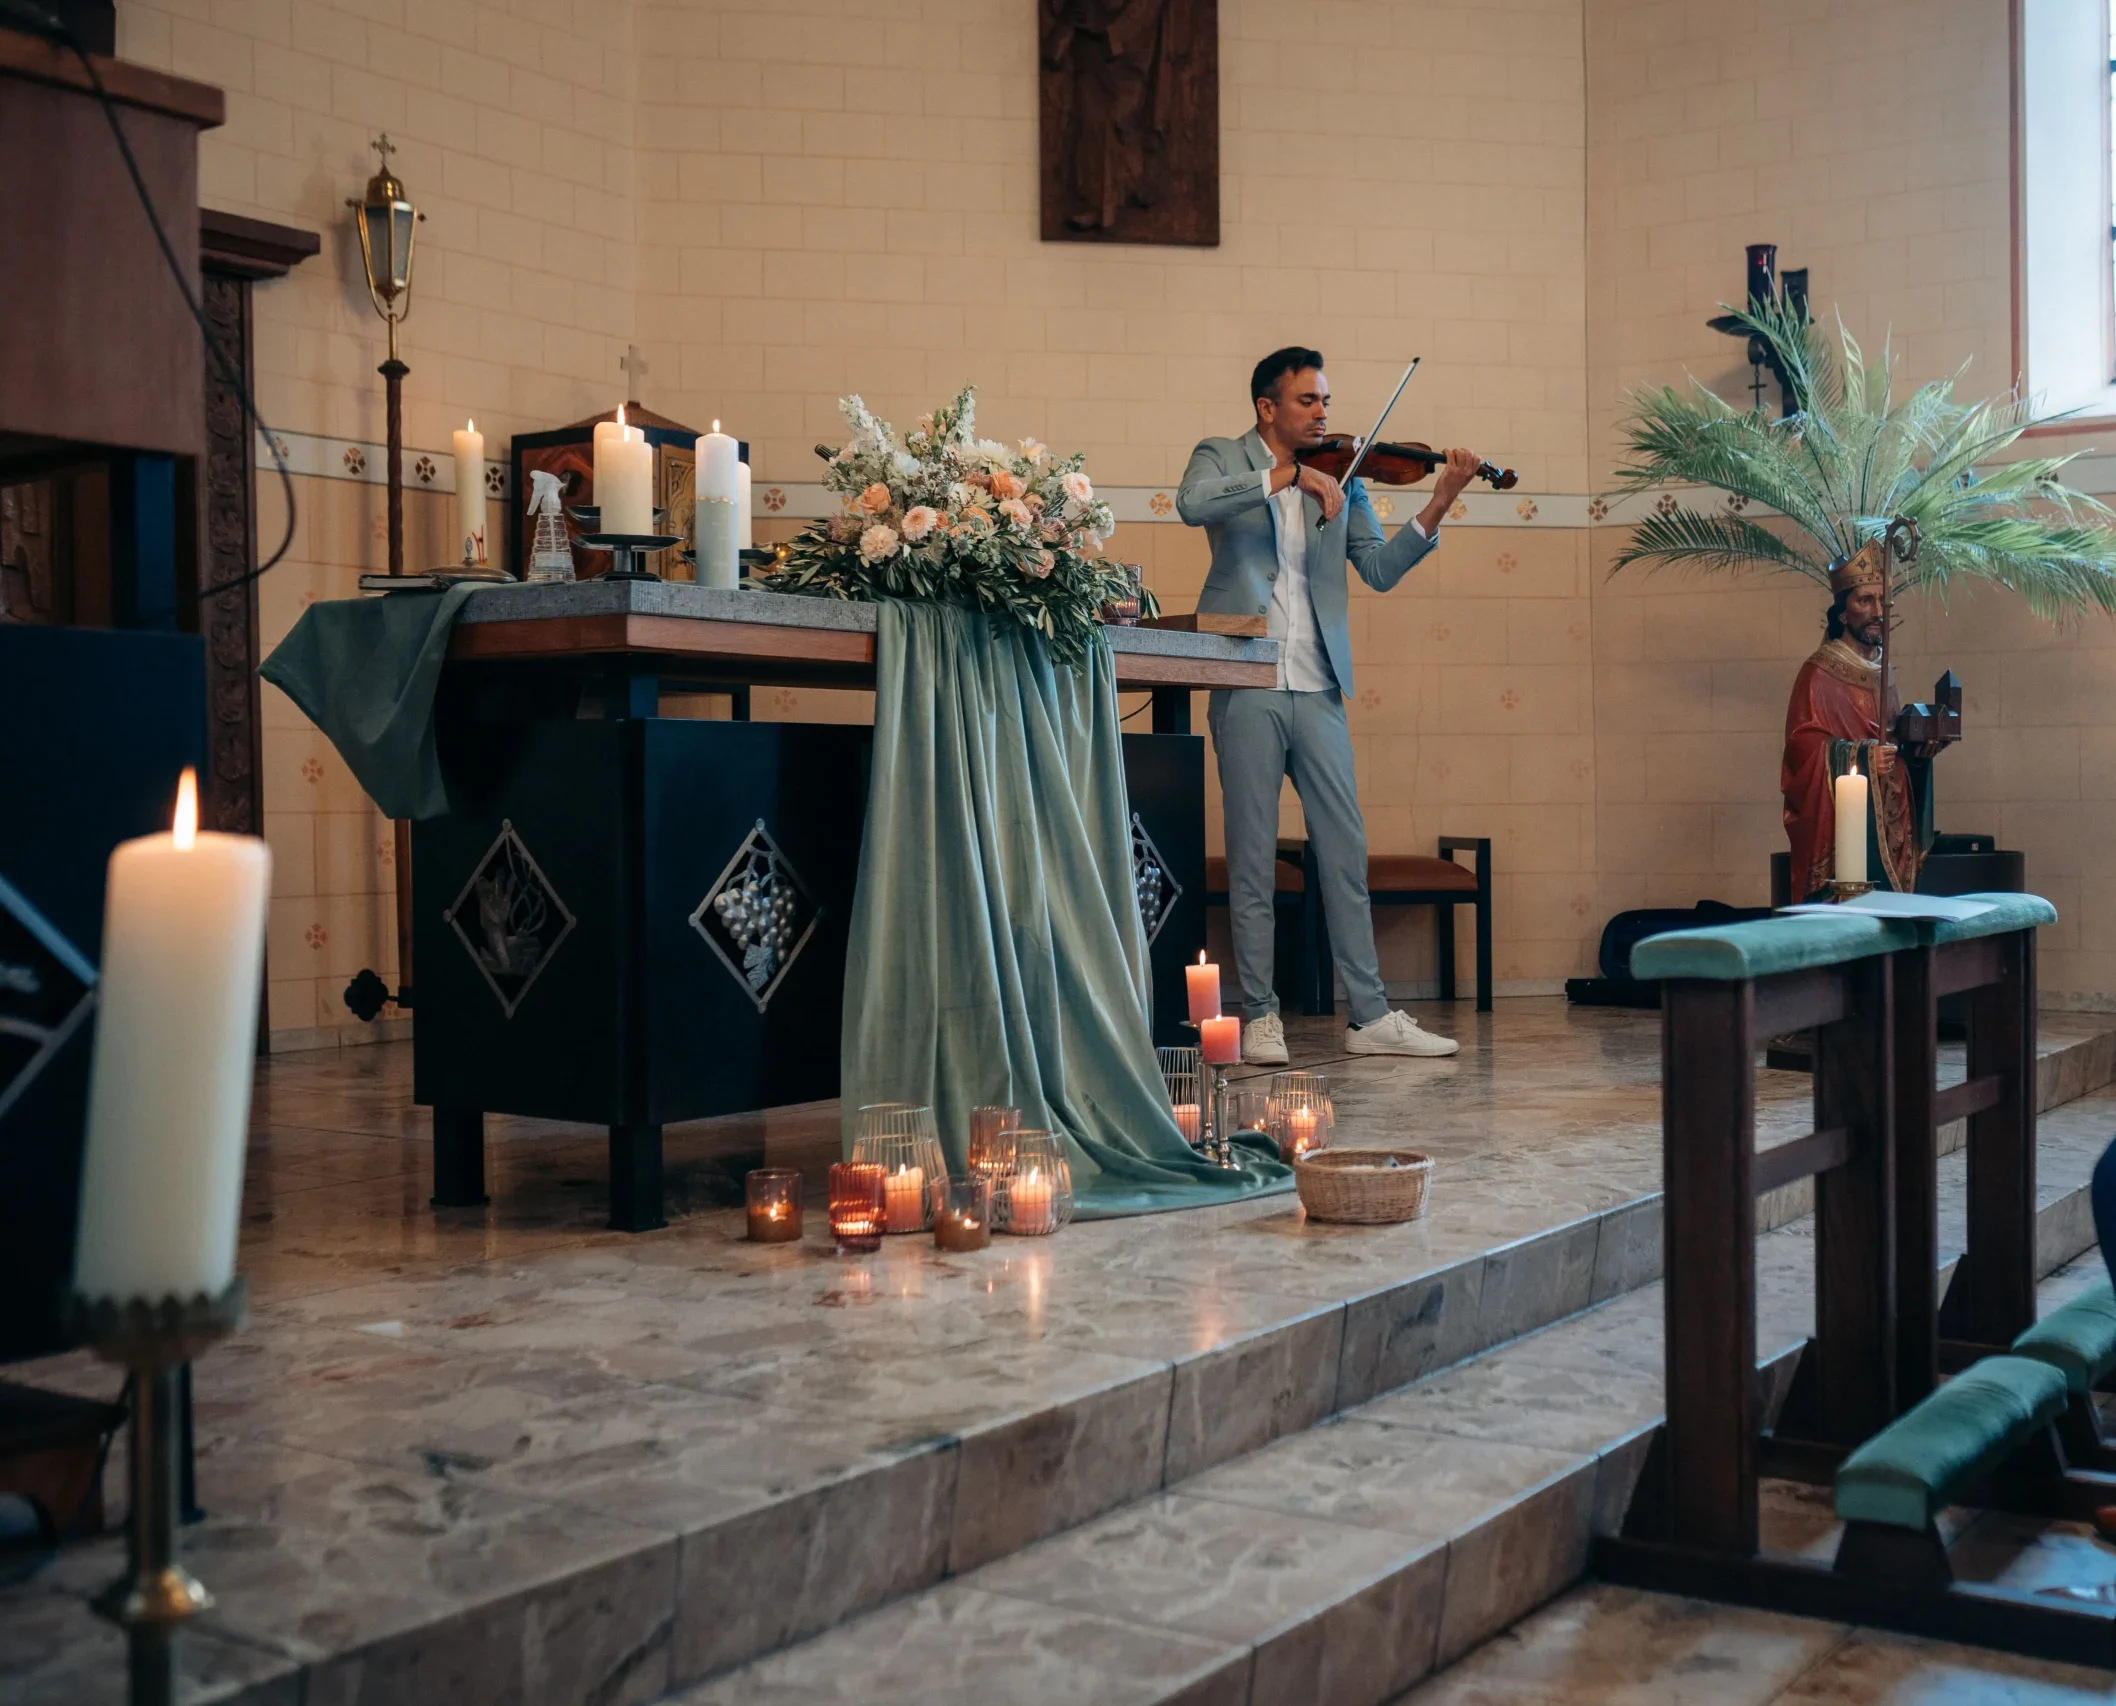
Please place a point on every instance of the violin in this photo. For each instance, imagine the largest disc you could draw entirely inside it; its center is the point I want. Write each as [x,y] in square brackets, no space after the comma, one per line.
[1389,464]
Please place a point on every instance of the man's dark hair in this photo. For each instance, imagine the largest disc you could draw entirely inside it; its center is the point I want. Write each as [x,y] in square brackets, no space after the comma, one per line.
[1275,366]
[1834,622]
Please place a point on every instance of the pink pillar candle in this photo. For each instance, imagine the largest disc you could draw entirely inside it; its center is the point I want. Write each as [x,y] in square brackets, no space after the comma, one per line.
[906,1189]
[1220,1041]
[1032,1208]
[1187,1121]
[1202,983]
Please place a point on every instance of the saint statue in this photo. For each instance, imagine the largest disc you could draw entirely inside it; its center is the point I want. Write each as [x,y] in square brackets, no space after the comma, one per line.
[1833,727]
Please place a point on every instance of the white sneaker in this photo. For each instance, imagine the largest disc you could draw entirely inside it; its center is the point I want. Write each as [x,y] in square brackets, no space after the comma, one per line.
[1264,1042]
[1396,1033]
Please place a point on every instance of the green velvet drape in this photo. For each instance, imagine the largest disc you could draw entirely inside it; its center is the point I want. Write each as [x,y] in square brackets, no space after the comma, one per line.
[996,952]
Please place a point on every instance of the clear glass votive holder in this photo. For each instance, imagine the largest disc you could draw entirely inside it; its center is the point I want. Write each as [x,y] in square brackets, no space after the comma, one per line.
[1249,1110]
[965,1219]
[773,1195]
[901,1139]
[992,1132]
[1302,1117]
[1179,1071]
[1036,1198]
[857,1206]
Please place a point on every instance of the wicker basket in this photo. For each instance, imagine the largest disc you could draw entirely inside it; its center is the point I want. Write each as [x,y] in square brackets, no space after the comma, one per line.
[1360,1185]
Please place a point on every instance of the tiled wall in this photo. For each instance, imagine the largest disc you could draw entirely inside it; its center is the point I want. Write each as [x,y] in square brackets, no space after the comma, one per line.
[783,202]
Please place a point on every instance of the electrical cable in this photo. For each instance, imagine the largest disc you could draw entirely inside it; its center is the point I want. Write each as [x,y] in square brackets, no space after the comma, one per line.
[50,24]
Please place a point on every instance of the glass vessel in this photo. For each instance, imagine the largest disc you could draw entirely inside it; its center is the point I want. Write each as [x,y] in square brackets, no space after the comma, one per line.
[992,1132]
[900,1138]
[856,1206]
[965,1219]
[774,1198]
[1037,1197]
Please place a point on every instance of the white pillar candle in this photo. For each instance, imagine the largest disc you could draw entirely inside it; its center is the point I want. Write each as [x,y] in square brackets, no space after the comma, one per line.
[169,1088]
[624,477]
[719,523]
[470,493]
[904,1193]
[743,509]
[1850,802]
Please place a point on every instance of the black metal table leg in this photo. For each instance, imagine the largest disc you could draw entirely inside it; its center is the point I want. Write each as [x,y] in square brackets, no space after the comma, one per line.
[1171,710]
[459,1158]
[635,1177]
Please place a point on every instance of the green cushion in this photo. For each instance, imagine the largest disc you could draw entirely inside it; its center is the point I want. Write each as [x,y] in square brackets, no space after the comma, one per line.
[2078,1339]
[1794,941]
[1912,1467]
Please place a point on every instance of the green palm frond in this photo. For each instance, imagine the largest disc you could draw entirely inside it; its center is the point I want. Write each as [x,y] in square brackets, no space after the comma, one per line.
[1715,542]
[1850,459]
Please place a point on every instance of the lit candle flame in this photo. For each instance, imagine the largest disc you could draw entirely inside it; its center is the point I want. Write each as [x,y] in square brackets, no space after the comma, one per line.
[620,414]
[470,426]
[184,831]
[716,426]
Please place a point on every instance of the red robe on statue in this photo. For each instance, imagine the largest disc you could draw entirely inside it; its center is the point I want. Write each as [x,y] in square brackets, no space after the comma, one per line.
[1833,700]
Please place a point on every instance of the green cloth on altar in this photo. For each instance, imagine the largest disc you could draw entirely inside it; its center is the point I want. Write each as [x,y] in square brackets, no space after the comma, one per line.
[1795,940]
[364,671]
[996,952]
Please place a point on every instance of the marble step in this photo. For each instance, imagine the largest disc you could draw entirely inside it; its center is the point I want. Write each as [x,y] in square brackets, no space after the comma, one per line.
[1340,1565]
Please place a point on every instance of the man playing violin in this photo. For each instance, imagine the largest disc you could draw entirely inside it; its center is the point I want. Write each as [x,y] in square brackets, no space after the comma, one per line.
[1281,534]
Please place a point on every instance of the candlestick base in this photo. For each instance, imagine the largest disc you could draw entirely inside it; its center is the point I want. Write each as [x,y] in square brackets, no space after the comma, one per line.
[155,1338]
[1840,892]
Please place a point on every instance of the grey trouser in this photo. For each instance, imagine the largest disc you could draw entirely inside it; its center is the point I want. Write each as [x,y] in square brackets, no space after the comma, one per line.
[1261,739]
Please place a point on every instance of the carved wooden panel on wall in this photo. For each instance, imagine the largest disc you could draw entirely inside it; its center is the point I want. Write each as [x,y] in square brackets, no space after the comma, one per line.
[1130,107]
[229,618]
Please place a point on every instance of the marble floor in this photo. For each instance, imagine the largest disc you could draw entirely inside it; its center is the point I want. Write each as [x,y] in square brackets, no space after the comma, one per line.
[509,1445]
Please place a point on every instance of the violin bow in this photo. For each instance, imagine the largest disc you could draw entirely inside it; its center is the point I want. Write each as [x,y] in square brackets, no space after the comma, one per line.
[1365,444]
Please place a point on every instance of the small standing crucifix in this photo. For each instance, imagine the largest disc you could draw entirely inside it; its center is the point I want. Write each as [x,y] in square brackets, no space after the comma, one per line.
[635,369]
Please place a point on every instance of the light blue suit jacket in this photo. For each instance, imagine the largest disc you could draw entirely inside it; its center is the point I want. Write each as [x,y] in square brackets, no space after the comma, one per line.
[1223,493]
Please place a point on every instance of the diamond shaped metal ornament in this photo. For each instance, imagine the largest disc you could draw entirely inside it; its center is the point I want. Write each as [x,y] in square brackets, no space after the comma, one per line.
[509,918]
[758,916]
[1156,885]
[47,989]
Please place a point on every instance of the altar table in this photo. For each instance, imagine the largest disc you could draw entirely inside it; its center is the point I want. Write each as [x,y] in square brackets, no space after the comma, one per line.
[629,919]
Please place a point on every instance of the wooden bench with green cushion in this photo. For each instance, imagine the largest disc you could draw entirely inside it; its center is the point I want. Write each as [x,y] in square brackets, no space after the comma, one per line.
[2078,1339]
[1796,941]
[1908,1471]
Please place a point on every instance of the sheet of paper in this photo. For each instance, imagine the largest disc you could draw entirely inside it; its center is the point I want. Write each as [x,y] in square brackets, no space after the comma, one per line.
[1883,903]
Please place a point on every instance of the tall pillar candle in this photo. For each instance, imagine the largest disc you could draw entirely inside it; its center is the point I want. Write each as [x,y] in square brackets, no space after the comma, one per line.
[470,493]
[176,1036]
[1850,802]
[719,523]
[1201,985]
[624,477]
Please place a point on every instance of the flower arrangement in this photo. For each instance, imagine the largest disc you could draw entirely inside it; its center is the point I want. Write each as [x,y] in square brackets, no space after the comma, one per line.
[946,515]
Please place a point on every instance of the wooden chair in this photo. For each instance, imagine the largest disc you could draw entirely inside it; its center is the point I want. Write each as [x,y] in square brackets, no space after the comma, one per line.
[1307,974]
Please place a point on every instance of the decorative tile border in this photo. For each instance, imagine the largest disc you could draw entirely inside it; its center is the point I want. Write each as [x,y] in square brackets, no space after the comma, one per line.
[799,500]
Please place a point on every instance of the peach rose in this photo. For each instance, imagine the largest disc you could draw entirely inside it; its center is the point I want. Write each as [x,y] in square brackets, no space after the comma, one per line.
[875,500]
[1034,450]
[920,520]
[877,543]
[1043,564]
[1006,485]
[1018,513]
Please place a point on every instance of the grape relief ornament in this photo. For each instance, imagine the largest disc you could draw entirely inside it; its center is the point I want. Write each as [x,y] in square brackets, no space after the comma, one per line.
[1156,884]
[758,915]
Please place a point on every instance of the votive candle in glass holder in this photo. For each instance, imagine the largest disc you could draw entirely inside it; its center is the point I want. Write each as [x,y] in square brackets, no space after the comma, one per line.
[1249,1109]
[965,1219]
[856,1206]
[1302,1116]
[1037,1197]
[1179,1072]
[992,1132]
[774,1198]
[900,1138]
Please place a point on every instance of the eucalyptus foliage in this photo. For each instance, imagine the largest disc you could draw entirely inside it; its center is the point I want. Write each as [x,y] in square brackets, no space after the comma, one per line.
[1850,460]
[947,516]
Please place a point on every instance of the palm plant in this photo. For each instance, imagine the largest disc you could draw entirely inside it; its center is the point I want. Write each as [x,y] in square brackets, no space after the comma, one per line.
[1850,460]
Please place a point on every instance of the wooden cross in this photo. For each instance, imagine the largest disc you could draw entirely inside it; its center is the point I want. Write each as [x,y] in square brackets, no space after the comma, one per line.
[635,368]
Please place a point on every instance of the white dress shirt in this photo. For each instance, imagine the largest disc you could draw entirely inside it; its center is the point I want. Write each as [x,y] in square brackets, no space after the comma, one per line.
[1303,665]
